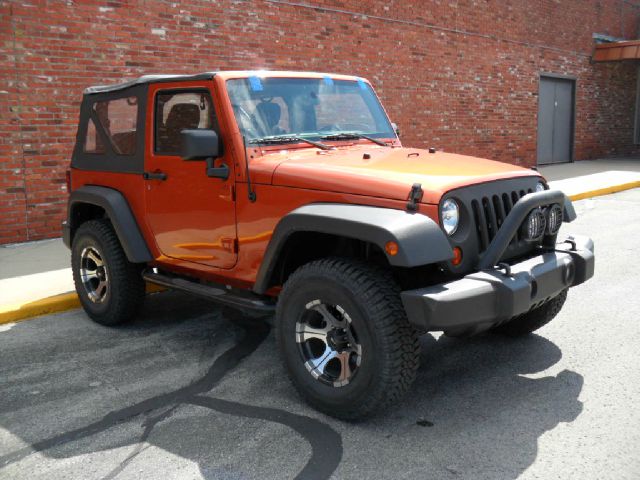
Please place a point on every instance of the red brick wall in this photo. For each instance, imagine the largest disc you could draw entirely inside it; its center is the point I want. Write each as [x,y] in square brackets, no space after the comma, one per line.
[460,75]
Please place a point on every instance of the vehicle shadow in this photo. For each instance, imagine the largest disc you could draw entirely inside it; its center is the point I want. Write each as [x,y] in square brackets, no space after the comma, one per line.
[240,336]
[471,414]
[481,404]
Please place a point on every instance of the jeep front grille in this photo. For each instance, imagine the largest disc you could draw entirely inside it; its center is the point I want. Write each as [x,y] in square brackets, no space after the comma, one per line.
[489,213]
[484,208]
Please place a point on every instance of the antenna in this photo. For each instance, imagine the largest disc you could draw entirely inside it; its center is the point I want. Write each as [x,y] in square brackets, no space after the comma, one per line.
[252,193]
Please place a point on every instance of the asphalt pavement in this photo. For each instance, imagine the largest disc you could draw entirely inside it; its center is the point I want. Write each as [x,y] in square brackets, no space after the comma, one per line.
[191,391]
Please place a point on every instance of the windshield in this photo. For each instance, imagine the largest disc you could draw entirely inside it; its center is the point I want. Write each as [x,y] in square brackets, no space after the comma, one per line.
[305,107]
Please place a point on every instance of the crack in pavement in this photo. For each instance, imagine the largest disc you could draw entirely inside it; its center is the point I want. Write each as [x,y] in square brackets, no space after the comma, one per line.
[325,442]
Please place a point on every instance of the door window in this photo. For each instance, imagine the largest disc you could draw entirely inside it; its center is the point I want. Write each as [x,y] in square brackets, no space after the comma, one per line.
[179,110]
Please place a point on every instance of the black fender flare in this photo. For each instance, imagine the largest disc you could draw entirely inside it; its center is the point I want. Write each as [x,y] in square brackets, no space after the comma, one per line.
[420,240]
[117,209]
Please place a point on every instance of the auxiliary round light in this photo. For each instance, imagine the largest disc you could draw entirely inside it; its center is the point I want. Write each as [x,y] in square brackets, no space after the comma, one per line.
[534,226]
[554,219]
[450,214]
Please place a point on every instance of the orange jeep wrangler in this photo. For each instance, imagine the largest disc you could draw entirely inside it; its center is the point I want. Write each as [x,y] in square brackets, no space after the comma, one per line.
[290,194]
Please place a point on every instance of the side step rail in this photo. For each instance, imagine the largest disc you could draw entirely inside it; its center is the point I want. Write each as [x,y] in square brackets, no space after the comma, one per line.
[248,302]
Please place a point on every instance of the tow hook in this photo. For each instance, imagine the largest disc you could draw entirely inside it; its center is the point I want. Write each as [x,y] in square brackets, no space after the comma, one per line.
[571,242]
[506,267]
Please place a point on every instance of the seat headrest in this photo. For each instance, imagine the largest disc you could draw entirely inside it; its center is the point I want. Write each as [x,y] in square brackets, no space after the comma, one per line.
[183,116]
[269,112]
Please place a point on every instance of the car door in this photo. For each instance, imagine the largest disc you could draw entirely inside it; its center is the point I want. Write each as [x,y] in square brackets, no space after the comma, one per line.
[191,215]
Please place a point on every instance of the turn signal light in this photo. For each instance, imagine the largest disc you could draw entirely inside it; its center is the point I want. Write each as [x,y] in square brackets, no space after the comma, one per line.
[457,256]
[391,248]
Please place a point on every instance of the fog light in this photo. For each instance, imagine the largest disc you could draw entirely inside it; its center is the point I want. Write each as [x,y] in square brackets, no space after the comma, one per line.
[534,226]
[554,219]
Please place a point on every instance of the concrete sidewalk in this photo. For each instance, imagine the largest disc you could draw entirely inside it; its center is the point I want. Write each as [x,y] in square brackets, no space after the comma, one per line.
[35,278]
[591,178]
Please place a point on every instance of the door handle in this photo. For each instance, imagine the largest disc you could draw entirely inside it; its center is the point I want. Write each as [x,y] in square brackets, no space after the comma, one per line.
[154,176]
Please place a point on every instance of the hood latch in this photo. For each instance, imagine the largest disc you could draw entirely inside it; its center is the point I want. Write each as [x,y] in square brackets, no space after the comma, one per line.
[415,195]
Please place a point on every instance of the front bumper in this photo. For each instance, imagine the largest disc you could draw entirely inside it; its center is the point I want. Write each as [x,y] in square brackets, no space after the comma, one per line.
[487,297]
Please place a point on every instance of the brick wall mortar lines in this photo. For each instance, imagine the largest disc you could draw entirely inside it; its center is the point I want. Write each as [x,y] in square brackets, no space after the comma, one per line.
[428,26]
[21,139]
[460,75]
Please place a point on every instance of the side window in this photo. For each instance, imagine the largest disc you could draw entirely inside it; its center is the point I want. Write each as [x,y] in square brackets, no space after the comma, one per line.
[179,110]
[93,142]
[118,118]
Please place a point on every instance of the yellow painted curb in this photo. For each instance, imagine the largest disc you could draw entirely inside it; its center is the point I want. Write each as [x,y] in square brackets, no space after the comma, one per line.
[605,191]
[46,306]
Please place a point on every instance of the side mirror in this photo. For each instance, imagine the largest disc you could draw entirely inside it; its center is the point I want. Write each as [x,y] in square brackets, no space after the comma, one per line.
[204,145]
[200,144]
[395,128]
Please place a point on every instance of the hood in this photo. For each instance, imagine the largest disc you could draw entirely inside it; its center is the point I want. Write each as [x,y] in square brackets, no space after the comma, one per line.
[382,171]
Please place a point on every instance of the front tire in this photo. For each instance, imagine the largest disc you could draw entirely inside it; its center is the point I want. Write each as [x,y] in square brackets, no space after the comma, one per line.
[531,321]
[110,288]
[345,338]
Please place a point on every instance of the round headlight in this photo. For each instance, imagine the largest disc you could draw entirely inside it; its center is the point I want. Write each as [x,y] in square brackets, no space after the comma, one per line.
[534,226]
[554,219]
[450,214]
[540,187]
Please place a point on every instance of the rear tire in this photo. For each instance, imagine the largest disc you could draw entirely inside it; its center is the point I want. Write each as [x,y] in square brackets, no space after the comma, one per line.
[111,289]
[345,339]
[531,321]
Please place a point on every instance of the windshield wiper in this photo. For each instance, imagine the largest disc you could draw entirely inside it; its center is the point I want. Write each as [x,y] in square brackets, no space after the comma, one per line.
[276,139]
[353,136]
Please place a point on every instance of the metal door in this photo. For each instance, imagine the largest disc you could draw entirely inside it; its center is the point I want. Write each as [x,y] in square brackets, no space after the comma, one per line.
[555,120]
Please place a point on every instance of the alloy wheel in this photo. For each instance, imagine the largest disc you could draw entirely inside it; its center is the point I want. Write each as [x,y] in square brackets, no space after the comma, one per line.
[328,343]
[94,275]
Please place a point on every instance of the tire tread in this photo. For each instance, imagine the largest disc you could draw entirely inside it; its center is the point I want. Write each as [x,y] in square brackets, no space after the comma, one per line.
[533,320]
[377,288]
[126,283]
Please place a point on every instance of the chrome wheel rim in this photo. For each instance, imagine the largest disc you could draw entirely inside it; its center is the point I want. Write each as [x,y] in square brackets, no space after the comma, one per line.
[328,343]
[94,275]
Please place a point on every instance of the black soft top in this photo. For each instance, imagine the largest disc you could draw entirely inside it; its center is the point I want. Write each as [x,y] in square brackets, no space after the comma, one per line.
[147,79]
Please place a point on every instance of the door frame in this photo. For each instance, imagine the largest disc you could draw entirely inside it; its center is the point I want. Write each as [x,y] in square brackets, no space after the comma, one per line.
[572,129]
[180,86]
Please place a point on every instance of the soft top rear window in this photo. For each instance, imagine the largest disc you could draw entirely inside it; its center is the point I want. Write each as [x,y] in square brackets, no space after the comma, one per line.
[118,119]
[111,131]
